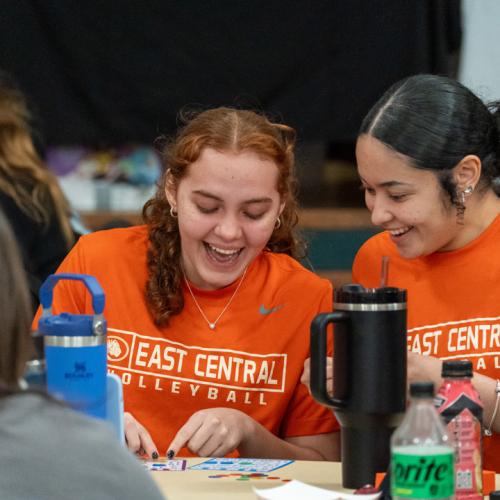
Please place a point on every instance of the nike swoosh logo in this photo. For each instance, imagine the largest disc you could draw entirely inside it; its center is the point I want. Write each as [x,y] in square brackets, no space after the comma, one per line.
[264,311]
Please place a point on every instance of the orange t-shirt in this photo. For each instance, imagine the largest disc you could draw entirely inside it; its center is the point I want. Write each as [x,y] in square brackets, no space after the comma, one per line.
[453,303]
[252,361]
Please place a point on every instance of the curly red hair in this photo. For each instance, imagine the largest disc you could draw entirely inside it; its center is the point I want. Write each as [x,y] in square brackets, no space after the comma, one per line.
[223,129]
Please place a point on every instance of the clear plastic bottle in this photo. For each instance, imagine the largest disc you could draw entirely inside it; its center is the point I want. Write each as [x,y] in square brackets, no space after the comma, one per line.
[422,453]
[458,403]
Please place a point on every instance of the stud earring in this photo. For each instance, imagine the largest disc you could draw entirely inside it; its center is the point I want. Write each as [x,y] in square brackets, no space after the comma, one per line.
[173,213]
[468,190]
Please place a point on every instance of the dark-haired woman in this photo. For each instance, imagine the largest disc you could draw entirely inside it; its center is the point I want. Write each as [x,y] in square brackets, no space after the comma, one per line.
[428,157]
[208,312]
[30,196]
[47,451]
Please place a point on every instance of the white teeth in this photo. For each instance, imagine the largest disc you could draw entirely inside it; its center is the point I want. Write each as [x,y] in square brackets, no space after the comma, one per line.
[224,251]
[397,232]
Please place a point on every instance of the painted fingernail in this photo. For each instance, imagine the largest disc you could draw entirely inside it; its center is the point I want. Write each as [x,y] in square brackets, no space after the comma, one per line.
[154,455]
[170,454]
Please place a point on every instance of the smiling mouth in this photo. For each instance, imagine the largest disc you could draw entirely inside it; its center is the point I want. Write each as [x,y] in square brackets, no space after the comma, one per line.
[222,255]
[397,233]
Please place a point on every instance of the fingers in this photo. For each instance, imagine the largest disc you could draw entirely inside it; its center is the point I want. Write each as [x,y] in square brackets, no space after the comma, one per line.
[131,432]
[329,387]
[221,451]
[221,440]
[184,434]
[208,447]
[306,374]
[213,432]
[147,443]
[329,376]
[329,367]
[138,438]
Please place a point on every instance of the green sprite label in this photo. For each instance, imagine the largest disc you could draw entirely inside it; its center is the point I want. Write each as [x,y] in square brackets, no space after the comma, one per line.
[422,472]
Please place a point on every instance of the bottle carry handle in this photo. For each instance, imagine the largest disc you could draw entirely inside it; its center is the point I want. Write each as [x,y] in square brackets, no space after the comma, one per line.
[319,354]
[47,293]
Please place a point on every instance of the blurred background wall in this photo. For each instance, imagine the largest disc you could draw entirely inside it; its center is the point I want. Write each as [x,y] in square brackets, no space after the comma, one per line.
[479,66]
[102,75]
[111,71]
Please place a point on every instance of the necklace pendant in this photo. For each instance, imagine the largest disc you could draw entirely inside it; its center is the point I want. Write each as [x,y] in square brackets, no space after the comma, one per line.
[209,323]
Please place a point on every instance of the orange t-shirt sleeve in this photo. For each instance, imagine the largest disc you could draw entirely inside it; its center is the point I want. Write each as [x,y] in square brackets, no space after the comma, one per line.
[305,416]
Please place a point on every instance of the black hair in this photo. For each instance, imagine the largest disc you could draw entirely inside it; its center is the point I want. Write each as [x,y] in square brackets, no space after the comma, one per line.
[435,122]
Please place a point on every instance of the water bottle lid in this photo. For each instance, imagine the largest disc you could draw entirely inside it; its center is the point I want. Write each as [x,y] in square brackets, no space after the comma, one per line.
[68,325]
[357,294]
[422,390]
[457,368]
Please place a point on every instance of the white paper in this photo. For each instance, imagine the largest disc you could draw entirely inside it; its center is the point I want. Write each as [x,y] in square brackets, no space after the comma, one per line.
[296,490]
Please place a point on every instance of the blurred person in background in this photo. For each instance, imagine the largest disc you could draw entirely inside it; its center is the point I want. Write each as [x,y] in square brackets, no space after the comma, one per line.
[49,451]
[30,196]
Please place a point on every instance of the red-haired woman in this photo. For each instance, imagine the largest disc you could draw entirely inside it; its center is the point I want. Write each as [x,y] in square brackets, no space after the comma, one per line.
[208,311]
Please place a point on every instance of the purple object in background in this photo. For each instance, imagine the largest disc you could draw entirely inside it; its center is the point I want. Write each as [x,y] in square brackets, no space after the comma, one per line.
[63,160]
[135,165]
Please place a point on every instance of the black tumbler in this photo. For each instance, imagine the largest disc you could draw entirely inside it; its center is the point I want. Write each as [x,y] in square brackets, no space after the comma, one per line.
[369,374]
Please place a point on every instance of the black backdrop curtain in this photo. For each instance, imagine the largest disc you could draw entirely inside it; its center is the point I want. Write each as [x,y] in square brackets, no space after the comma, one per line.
[102,73]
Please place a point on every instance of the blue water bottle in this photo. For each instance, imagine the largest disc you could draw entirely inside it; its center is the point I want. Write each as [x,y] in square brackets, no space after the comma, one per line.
[75,349]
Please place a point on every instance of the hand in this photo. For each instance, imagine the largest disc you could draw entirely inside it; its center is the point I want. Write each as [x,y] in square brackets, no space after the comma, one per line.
[138,438]
[423,369]
[213,432]
[306,374]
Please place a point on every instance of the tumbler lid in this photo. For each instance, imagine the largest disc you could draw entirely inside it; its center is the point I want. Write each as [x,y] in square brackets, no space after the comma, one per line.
[71,325]
[357,294]
[422,389]
[457,368]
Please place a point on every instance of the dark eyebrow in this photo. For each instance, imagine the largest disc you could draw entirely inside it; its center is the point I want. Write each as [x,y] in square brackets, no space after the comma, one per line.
[394,184]
[246,202]
[390,183]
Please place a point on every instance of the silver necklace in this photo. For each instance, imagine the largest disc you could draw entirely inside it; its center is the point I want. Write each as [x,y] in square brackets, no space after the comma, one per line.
[213,324]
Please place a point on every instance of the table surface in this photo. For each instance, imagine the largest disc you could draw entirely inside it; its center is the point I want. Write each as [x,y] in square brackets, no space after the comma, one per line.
[196,484]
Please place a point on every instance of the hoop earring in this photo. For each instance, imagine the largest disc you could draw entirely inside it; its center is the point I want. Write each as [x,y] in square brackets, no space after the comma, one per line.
[173,213]
[277,224]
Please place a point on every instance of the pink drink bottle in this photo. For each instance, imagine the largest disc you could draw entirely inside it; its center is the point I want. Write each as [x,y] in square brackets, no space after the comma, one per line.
[458,403]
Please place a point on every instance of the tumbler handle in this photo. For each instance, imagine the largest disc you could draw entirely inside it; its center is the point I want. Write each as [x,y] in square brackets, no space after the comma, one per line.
[47,289]
[319,354]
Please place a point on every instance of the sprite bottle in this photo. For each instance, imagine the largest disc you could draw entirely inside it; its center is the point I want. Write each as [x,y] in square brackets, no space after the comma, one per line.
[422,453]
